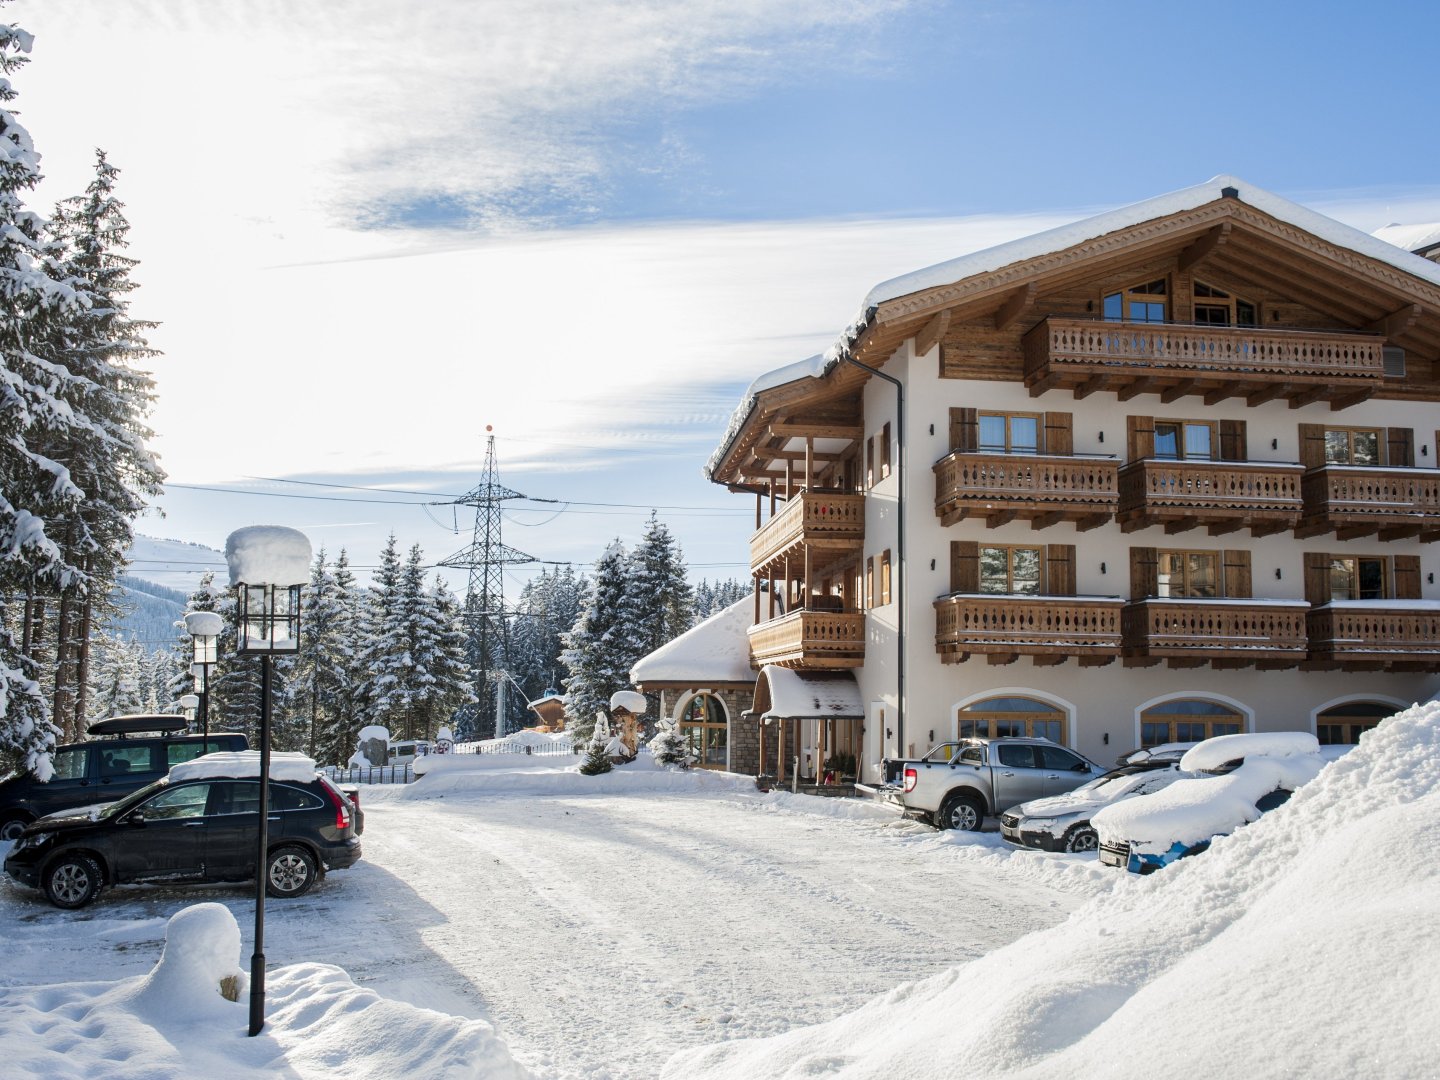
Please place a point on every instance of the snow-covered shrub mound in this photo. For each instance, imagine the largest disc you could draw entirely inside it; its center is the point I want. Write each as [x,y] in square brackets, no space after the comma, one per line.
[202,950]
[1301,945]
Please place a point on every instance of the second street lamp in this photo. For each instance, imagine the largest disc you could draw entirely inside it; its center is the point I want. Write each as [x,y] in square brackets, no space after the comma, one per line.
[268,564]
[204,629]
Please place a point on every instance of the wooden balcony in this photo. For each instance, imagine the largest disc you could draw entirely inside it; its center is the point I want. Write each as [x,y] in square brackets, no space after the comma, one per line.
[1049,629]
[824,523]
[1222,495]
[1222,633]
[1217,362]
[1353,500]
[810,639]
[1042,489]
[1372,635]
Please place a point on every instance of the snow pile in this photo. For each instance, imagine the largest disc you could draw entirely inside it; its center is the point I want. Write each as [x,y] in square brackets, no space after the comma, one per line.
[204,624]
[268,555]
[1302,945]
[1223,749]
[174,1024]
[509,775]
[630,701]
[283,766]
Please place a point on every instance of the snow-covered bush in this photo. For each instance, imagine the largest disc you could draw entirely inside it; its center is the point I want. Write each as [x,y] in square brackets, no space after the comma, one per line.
[669,746]
[597,760]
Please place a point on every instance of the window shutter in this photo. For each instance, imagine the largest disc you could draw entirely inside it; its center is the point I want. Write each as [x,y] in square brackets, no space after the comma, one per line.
[1059,437]
[1407,577]
[964,566]
[1237,575]
[1144,572]
[1399,446]
[1139,437]
[1317,578]
[1312,445]
[964,429]
[1232,441]
[1060,569]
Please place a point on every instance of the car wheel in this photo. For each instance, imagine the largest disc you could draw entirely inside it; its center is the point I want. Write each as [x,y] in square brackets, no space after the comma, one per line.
[72,881]
[291,872]
[11,828]
[961,812]
[1081,838]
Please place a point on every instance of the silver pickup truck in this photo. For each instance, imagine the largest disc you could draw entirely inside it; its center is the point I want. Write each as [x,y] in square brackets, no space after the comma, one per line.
[959,784]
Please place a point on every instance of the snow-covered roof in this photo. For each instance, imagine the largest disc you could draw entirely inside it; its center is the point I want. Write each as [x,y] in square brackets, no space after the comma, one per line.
[242,763]
[715,651]
[1058,239]
[1413,238]
[808,694]
[628,700]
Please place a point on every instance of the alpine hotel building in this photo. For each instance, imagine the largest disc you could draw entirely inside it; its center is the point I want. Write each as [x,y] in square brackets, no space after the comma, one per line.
[1163,474]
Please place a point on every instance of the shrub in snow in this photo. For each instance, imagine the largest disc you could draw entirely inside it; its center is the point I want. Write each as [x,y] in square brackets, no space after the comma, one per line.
[201,959]
[669,746]
[597,760]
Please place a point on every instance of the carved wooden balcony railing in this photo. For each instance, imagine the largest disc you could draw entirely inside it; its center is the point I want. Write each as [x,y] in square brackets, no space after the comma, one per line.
[1302,366]
[1222,495]
[1041,489]
[1224,633]
[1048,628]
[824,522]
[1352,500]
[810,639]
[1402,635]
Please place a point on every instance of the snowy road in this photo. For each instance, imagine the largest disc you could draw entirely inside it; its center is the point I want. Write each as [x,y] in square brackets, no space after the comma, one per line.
[601,932]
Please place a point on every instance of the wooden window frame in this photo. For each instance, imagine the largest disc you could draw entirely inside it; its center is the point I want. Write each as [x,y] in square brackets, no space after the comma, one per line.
[869,582]
[990,717]
[1387,588]
[1226,299]
[885,577]
[1156,715]
[1127,292]
[883,452]
[1010,550]
[1164,590]
[870,462]
[1212,425]
[1040,428]
[1350,433]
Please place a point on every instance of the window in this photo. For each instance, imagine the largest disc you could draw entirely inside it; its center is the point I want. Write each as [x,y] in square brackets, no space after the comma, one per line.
[176,752]
[704,727]
[1344,724]
[124,760]
[870,582]
[1352,446]
[1009,433]
[885,576]
[1188,720]
[870,462]
[1354,577]
[1215,307]
[70,764]
[1139,303]
[884,451]
[1187,440]
[185,801]
[999,717]
[1010,569]
[1188,573]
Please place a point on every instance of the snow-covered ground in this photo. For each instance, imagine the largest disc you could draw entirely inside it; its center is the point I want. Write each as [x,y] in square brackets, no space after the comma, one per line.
[596,924]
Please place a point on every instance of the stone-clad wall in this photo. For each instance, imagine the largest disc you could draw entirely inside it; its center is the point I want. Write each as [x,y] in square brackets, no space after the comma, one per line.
[744,733]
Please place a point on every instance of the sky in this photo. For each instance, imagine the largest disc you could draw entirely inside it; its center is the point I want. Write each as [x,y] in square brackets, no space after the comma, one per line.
[371,231]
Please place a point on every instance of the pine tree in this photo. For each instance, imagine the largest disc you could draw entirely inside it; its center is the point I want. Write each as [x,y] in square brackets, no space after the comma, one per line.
[662,593]
[115,688]
[322,666]
[604,643]
[381,653]
[669,746]
[27,738]
[448,661]
[548,607]
[597,760]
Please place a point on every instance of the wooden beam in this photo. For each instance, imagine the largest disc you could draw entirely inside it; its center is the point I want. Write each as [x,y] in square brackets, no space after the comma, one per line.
[1268,393]
[1176,663]
[1221,663]
[1344,401]
[1399,532]
[1091,385]
[834,430]
[1397,322]
[1048,659]
[950,517]
[1141,661]
[1220,393]
[1355,532]
[1220,528]
[1146,385]
[931,333]
[1096,661]
[1044,383]
[1044,521]
[1094,521]
[1004,517]
[1014,304]
[1000,659]
[1184,524]
[1179,390]
[763,453]
[1204,245]
[1308,397]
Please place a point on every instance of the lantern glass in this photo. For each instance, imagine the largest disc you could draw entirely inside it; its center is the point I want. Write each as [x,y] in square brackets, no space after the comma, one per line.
[204,645]
[268,617]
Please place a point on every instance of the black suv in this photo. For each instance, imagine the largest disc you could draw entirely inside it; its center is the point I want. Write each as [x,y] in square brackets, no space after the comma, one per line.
[106,769]
[201,829]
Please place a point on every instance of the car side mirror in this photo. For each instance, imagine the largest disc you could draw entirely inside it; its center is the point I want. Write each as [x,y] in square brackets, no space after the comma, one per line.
[1082,767]
[135,818]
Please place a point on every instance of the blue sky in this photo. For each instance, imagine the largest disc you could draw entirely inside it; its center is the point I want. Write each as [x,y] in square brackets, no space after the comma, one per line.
[591,223]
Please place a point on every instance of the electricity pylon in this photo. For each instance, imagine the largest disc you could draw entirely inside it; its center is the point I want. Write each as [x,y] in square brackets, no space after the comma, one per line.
[486,629]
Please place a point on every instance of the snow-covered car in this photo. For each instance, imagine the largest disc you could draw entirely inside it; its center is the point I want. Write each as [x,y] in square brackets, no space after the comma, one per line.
[1236,779]
[1062,822]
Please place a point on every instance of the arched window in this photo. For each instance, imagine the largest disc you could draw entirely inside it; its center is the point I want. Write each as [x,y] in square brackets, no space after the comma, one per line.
[1345,723]
[705,729]
[1188,720]
[999,717]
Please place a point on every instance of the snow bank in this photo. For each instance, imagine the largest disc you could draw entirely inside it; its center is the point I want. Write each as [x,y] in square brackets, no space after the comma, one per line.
[268,555]
[508,775]
[283,766]
[1302,945]
[173,1023]
[1213,753]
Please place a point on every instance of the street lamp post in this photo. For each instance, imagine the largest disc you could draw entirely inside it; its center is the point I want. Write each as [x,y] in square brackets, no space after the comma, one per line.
[268,564]
[189,702]
[204,629]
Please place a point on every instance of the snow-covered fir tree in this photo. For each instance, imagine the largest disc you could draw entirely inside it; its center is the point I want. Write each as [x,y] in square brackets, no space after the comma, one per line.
[547,609]
[116,677]
[27,737]
[663,596]
[668,746]
[320,678]
[712,599]
[448,660]
[605,641]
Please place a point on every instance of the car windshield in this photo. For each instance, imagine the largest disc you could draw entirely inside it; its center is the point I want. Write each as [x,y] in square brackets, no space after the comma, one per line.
[115,809]
[1112,785]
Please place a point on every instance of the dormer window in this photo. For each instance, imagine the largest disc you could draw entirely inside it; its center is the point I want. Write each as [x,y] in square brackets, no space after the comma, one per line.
[1139,303]
[1216,307]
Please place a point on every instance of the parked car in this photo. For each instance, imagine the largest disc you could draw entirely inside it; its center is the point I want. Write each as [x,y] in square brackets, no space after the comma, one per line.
[1062,822]
[958,784]
[406,751]
[198,824]
[1237,778]
[138,751]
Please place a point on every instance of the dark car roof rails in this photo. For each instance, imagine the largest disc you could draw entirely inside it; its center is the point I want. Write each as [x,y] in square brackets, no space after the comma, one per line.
[159,723]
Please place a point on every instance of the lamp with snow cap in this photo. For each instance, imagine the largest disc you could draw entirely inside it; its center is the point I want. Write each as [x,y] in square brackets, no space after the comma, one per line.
[204,629]
[268,564]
